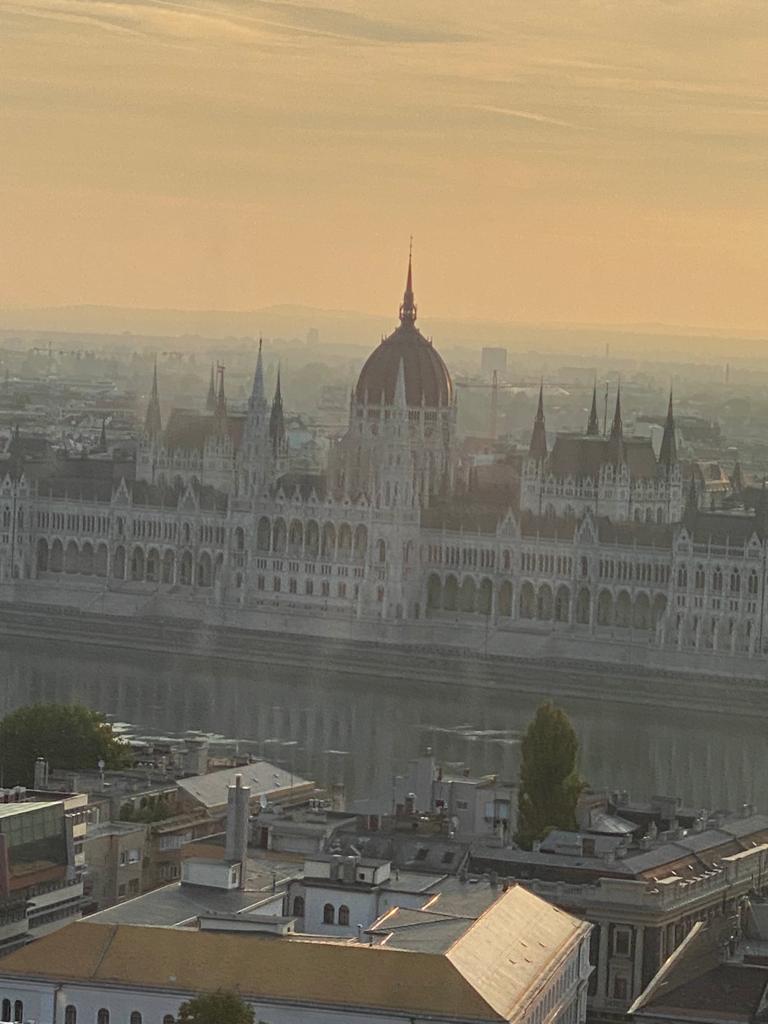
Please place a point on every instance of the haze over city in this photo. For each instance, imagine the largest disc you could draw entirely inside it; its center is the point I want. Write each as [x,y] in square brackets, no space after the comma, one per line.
[383,512]
[586,162]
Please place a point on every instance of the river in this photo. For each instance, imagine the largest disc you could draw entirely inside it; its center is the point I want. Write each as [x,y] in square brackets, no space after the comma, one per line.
[333,729]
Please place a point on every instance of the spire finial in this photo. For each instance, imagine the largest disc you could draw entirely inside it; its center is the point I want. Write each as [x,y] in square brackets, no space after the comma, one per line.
[277,419]
[258,395]
[153,424]
[221,401]
[538,446]
[408,308]
[617,427]
[593,426]
[668,450]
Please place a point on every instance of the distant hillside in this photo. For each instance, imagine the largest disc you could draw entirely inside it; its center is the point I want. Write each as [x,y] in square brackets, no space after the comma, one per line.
[349,327]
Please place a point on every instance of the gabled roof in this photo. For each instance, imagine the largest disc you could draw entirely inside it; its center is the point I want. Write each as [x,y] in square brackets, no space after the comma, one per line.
[581,456]
[189,430]
[294,971]
[211,789]
[485,973]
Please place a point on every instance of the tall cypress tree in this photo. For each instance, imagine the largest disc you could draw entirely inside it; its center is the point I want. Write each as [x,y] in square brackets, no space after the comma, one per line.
[549,778]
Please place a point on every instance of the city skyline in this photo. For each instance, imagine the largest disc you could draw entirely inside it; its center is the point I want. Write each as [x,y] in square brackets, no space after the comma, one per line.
[559,163]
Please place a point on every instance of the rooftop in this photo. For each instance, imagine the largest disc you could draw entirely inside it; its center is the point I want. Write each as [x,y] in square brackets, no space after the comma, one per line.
[482,975]
[262,777]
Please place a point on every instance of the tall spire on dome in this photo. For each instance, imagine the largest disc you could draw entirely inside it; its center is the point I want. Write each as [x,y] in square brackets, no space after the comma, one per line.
[408,308]
[153,424]
[210,402]
[258,397]
[538,446]
[617,427]
[593,427]
[668,450]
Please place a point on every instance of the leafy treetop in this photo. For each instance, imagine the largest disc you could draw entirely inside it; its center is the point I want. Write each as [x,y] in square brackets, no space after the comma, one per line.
[549,780]
[68,736]
[215,1008]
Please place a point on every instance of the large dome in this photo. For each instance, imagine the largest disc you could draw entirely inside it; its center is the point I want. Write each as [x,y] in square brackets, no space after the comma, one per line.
[426,376]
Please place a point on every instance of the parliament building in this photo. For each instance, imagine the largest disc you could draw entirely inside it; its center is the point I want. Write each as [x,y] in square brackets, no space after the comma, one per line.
[603,550]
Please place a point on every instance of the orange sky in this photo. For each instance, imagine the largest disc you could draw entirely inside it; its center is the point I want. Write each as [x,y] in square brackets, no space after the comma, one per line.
[556,160]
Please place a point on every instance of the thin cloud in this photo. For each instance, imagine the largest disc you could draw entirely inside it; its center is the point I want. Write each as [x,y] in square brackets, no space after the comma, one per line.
[527,115]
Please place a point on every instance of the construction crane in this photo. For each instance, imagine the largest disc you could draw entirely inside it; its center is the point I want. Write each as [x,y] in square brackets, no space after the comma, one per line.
[523,385]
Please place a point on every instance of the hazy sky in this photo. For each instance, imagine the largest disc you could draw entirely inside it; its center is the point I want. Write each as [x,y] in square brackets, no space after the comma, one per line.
[555,160]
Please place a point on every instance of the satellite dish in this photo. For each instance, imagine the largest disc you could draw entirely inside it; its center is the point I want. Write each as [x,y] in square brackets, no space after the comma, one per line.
[262,801]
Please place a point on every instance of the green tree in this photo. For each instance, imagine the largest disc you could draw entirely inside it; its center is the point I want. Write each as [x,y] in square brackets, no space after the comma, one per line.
[549,778]
[68,736]
[215,1008]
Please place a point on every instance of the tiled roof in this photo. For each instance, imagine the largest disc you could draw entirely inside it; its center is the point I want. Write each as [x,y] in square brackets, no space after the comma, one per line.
[483,975]
[189,430]
[580,456]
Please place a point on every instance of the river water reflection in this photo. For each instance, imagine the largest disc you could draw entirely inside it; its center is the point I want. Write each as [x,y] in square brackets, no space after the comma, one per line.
[363,735]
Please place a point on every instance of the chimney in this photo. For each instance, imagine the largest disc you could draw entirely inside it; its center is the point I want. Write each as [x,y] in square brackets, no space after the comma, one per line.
[238,811]
[41,773]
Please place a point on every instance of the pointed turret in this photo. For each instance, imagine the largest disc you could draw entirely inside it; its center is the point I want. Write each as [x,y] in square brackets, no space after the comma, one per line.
[153,424]
[408,308]
[668,451]
[221,400]
[276,419]
[617,427]
[538,446]
[103,435]
[258,397]
[210,402]
[593,426]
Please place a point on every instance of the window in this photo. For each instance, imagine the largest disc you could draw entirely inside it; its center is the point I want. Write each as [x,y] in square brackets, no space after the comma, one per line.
[329,915]
[6,1009]
[102,1017]
[70,1015]
[344,914]
[421,853]
[298,906]
[18,1011]
[135,1017]
[121,890]
[620,987]
[169,1019]
[621,941]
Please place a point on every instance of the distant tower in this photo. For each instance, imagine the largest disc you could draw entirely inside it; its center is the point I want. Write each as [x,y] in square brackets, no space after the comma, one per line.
[210,402]
[103,436]
[153,423]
